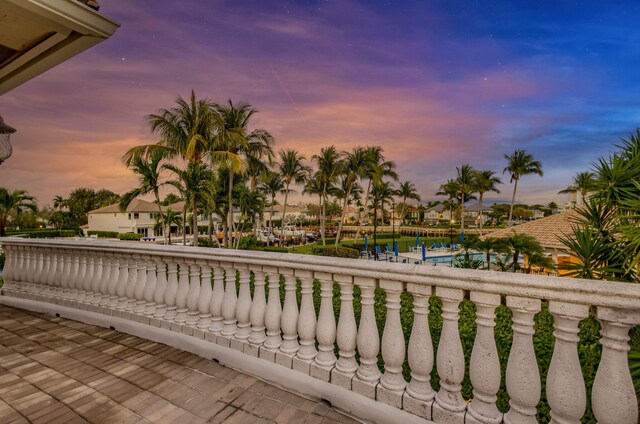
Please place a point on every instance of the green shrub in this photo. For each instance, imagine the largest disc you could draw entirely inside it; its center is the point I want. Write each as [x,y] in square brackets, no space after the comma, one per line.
[274,249]
[44,233]
[205,242]
[336,252]
[103,234]
[249,242]
[129,236]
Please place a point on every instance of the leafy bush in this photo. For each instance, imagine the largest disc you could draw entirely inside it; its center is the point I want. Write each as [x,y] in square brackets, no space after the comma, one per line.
[129,236]
[274,249]
[205,242]
[336,252]
[44,233]
[103,234]
[249,242]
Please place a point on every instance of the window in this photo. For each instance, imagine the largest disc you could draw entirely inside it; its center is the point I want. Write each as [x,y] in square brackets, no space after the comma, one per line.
[136,216]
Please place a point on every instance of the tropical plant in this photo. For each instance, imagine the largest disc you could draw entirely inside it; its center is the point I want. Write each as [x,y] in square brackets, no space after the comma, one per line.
[485,181]
[292,169]
[520,164]
[355,166]
[16,202]
[583,182]
[58,203]
[169,218]
[466,184]
[451,189]
[376,168]
[330,166]
[235,146]
[149,172]
[523,244]
[407,190]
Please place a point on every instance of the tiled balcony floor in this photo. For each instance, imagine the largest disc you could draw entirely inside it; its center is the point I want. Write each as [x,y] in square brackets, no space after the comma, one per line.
[54,370]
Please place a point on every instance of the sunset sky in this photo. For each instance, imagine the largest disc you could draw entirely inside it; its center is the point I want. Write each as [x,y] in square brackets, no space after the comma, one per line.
[436,83]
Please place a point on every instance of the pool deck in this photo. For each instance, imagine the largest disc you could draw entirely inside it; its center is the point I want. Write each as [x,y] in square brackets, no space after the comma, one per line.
[54,370]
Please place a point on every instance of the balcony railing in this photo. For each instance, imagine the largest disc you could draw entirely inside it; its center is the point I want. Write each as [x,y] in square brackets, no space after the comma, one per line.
[192,291]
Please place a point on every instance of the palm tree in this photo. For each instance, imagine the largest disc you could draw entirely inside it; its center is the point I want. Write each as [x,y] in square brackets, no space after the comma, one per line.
[523,244]
[583,182]
[196,182]
[376,168]
[485,181]
[407,191]
[148,172]
[58,202]
[381,192]
[330,166]
[313,186]
[169,218]
[451,189]
[466,185]
[519,164]
[235,146]
[272,184]
[355,166]
[292,169]
[14,201]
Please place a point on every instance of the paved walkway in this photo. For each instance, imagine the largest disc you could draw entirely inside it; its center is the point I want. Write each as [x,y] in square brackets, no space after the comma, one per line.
[54,370]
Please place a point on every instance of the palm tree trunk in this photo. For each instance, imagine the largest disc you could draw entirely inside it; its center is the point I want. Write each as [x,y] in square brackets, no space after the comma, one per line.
[323,214]
[162,218]
[480,205]
[184,224]
[462,213]
[513,200]
[284,212]
[195,221]
[344,212]
[229,235]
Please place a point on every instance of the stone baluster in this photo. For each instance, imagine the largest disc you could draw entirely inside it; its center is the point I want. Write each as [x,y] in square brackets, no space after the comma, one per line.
[613,398]
[99,277]
[325,329]
[110,297]
[141,281]
[78,282]
[230,299]
[257,312]
[346,336]
[522,375]
[108,270]
[22,268]
[243,308]
[31,269]
[17,267]
[419,395]
[88,277]
[171,295]
[449,405]
[306,323]
[161,289]
[193,315]
[183,292]
[484,369]
[368,340]
[288,321]
[121,290]
[566,392]
[56,274]
[75,275]
[44,271]
[65,282]
[132,279]
[204,302]
[216,300]
[150,288]
[392,383]
[272,317]
[9,268]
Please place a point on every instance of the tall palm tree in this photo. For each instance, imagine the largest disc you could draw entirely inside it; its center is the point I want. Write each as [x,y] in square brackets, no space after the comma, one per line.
[381,193]
[292,169]
[583,182]
[330,166]
[14,201]
[466,184]
[197,181]
[149,172]
[185,131]
[451,189]
[58,202]
[355,165]
[519,164]
[376,168]
[272,184]
[235,146]
[485,181]
[313,186]
[169,218]
[407,191]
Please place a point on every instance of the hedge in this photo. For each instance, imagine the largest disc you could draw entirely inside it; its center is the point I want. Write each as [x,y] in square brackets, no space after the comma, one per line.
[44,233]
[103,234]
[336,252]
[129,236]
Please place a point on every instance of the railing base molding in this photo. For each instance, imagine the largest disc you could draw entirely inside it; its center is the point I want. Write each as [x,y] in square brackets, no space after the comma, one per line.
[355,405]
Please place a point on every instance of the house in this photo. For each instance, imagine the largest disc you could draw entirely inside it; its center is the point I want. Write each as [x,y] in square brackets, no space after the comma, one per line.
[549,232]
[472,214]
[139,217]
[437,214]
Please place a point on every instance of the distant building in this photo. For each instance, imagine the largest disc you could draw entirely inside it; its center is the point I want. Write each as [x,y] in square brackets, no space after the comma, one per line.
[437,214]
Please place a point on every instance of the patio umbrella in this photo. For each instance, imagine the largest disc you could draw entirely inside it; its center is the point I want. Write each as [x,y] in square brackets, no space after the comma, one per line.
[417,239]
[424,252]
[366,243]
[462,237]
[395,247]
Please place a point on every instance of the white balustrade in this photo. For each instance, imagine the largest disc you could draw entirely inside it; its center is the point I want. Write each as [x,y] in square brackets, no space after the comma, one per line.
[195,292]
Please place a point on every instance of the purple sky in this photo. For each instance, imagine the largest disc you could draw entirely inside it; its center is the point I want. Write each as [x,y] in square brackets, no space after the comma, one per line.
[437,84]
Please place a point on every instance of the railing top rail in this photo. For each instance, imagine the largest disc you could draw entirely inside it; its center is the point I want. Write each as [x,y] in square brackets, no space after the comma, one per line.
[589,292]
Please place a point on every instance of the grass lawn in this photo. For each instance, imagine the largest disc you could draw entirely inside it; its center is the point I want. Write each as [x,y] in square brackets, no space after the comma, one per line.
[404,243]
